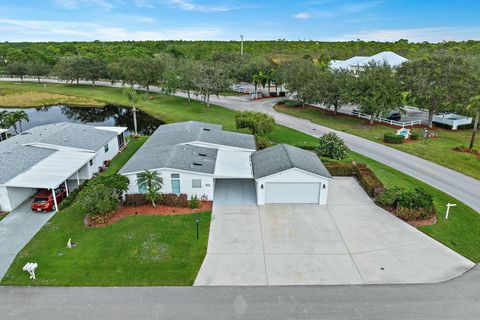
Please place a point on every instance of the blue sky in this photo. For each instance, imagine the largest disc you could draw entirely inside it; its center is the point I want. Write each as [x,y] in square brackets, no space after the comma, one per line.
[329,20]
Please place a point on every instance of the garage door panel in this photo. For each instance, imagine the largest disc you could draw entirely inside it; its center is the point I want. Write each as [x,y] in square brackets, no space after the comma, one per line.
[287,192]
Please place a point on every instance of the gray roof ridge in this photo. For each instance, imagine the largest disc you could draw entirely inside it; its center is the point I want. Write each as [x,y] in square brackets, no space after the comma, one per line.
[288,155]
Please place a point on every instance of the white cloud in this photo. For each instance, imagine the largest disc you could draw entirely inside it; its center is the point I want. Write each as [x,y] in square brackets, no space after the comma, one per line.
[437,34]
[76,4]
[302,16]
[45,30]
[190,5]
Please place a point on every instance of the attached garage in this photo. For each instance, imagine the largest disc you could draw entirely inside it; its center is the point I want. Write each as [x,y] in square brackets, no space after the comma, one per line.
[288,192]
[286,174]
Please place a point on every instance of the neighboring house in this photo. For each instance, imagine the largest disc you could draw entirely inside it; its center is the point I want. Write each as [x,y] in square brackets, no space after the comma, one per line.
[452,120]
[45,157]
[192,157]
[358,63]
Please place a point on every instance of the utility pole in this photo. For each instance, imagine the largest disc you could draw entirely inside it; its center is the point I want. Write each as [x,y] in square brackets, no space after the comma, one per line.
[241,45]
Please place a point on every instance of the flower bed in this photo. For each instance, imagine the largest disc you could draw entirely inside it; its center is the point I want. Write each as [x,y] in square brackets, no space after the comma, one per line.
[146,209]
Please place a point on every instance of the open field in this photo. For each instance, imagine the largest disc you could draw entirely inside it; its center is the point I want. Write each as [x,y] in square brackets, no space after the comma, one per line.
[21,99]
[438,150]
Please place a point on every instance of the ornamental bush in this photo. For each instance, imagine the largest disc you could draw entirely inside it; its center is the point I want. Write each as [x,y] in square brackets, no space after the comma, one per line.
[194,202]
[414,136]
[341,169]
[369,181]
[389,197]
[258,123]
[332,146]
[416,204]
[393,138]
[136,199]
[293,104]
[98,199]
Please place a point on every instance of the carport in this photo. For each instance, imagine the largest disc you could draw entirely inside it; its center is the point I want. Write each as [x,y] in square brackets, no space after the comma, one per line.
[53,172]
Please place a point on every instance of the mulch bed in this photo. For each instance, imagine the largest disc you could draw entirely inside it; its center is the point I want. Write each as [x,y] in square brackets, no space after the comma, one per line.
[466,150]
[146,210]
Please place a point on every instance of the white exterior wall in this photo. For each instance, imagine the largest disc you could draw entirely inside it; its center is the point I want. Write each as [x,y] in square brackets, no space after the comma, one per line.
[185,183]
[291,176]
[101,156]
[10,198]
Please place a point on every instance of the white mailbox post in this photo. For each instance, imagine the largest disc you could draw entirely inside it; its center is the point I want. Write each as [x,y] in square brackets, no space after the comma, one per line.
[30,268]
[448,209]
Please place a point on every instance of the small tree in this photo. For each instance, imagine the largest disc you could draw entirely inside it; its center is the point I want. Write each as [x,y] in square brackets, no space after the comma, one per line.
[134,98]
[38,69]
[257,122]
[334,88]
[212,79]
[152,183]
[332,146]
[474,107]
[17,69]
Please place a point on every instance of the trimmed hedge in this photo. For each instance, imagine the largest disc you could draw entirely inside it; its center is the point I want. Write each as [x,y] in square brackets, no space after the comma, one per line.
[169,199]
[341,170]
[293,103]
[414,136]
[393,138]
[367,178]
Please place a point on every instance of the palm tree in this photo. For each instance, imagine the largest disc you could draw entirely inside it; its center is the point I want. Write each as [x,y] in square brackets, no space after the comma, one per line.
[259,79]
[133,97]
[152,183]
[474,107]
[19,116]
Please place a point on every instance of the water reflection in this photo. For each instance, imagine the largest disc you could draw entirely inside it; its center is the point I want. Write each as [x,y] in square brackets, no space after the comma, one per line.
[106,116]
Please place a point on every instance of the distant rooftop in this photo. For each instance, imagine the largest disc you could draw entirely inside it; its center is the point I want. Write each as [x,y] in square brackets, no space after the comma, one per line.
[388,57]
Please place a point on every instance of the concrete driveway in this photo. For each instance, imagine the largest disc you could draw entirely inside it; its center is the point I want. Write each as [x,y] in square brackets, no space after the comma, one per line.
[349,241]
[235,192]
[16,230]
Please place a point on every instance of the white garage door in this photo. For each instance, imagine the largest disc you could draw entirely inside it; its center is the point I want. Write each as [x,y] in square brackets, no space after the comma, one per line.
[281,192]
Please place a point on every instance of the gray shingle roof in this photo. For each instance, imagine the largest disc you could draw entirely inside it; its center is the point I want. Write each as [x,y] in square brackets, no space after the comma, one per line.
[191,131]
[181,157]
[282,157]
[16,158]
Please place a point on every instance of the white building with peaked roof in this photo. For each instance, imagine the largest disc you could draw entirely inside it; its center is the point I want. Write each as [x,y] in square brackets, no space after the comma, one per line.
[47,157]
[358,63]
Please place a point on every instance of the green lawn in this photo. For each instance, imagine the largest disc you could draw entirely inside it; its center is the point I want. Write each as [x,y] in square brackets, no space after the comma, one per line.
[138,250]
[438,150]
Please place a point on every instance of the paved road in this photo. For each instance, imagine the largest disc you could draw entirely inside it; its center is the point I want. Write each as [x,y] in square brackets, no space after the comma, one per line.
[349,241]
[455,299]
[460,186]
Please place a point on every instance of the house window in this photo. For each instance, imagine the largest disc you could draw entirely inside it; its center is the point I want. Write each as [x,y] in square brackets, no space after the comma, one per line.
[196,183]
[91,162]
[175,180]
[142,187]
[105,147]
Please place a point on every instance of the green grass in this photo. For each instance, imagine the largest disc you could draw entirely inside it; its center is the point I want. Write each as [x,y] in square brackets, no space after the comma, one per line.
[438,150]
[137,250]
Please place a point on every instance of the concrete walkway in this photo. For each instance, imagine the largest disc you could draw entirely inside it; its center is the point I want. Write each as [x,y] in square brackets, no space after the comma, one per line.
[349,241]
[458,185]
[16,230]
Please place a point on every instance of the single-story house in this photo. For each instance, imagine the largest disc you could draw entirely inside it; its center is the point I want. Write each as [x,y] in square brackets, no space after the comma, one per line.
[452,120]
[46,157]
[192,157]
[358,63]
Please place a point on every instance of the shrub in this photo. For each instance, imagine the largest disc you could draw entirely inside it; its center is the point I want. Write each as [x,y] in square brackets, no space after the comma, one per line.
[293,104]
[465,126]
[341,169]
[282,93]
[393,138]
[134,200]
[273,94]
[194,203]
[414,136]
[369,181]
[332,146]
[262,142]
[170,199]
[67,202]
[114,181]
[389,197]
[416,204]
[99,199]
[182,201]
[258,123]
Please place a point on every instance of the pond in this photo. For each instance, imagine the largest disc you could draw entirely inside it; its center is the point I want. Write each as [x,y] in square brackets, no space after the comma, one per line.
[106,116]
